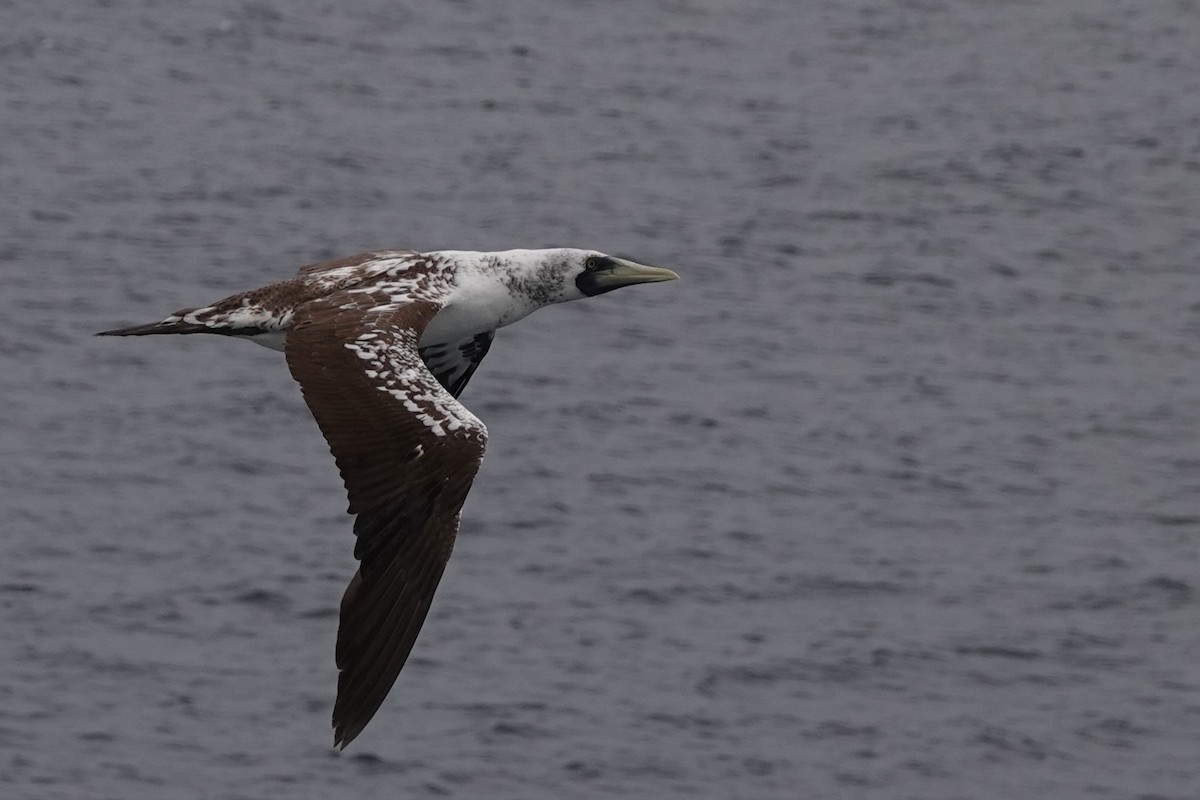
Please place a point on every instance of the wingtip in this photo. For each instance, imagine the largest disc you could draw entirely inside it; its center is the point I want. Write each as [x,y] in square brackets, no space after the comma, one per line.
[342,738]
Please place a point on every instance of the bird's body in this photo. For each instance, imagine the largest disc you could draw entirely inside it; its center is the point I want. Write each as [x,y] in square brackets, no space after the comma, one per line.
[382,344]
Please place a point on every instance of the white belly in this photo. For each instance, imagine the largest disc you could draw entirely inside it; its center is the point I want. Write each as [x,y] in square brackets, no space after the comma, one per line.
[272,341]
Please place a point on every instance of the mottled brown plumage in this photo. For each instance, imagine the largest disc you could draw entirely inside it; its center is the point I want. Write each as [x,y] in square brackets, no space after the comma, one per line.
[405,482]
[381,344]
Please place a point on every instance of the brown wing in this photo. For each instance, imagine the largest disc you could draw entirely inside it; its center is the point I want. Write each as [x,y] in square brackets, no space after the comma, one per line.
[408,452]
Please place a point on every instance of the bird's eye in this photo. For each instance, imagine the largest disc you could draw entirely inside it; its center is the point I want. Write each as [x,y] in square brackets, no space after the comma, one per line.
[590,264]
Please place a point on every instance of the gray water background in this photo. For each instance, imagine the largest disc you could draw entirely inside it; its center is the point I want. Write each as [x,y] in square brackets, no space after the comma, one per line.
[895,495]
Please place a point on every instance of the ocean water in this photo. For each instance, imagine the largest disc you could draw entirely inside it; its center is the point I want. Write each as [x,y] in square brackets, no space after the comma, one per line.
[895,495]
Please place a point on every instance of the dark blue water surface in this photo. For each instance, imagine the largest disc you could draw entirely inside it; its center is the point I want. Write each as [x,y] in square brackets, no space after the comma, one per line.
[895,495]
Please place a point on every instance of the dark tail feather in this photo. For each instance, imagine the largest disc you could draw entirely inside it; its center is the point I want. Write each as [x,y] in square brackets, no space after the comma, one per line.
[159,327]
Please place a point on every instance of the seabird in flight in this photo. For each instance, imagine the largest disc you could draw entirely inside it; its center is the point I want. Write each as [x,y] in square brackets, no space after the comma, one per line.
[382,344]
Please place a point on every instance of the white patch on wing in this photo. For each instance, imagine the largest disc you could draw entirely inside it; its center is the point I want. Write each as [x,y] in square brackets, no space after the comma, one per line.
[398,371]
[241,317]
[389,262]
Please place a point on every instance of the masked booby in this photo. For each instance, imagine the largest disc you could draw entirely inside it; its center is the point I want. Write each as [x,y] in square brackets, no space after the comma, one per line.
[382,344]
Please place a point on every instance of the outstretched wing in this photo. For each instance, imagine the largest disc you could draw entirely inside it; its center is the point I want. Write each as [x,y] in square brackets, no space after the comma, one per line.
[454,363]
[408,452]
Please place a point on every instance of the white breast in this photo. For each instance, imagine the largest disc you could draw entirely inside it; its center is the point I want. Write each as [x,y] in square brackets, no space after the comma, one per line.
[478,303]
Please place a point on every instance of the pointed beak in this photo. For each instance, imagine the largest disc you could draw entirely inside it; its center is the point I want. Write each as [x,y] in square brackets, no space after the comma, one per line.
[618,272]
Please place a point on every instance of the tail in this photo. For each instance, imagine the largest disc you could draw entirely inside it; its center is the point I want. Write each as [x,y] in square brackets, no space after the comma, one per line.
[172,324]
[258,311]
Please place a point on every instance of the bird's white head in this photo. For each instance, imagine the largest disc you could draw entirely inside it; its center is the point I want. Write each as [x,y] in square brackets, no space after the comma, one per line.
[497,289]
[558,275]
